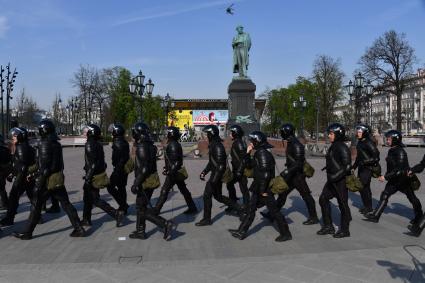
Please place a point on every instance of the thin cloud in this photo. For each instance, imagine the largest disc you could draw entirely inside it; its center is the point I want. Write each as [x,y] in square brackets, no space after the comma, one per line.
[174,12]
[3,26]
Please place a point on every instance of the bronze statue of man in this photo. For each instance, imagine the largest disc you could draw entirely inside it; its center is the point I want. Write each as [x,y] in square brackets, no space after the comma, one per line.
[241,44]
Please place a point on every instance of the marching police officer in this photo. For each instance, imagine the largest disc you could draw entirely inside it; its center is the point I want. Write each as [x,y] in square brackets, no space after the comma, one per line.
[294,174]
[120,156]
[173,163]
[263,164]
[367,156]
[416,227]
[50,165]
[217,166]
[23,158]
[338,166]
[94,165]
[238,152]
[145,165]
[5,167]
[397,179]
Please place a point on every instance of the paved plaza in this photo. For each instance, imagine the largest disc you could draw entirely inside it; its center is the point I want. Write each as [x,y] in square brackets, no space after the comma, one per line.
[374,252]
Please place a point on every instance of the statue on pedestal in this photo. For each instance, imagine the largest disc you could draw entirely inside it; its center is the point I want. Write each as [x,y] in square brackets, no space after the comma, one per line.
[241,45]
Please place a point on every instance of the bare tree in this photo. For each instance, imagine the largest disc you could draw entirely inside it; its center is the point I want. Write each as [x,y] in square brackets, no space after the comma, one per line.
[26,109]
[389,62]
[328,76]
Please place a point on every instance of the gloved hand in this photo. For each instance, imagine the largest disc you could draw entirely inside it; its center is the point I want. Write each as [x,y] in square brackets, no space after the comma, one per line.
[9,178]
[202,176]
[134,189]
[164,172]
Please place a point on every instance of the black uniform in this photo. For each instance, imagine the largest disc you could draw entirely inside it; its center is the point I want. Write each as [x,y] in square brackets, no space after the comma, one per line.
[23,158]
[213,188]
[238,153]
[263,164]
[118,179]
[173,163]
[338,165]
[145,165]
[396,175]
[367,156]
[5,168]
[417,226]
[95,164]
[50,161]
[295,178]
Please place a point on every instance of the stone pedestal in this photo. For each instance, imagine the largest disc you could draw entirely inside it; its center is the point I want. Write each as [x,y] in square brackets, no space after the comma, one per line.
[242,104]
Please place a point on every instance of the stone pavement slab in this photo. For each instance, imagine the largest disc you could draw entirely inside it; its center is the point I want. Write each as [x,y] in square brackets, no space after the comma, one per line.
[374,253]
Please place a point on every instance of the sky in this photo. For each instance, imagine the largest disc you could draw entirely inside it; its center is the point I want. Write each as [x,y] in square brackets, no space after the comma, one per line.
[185,45]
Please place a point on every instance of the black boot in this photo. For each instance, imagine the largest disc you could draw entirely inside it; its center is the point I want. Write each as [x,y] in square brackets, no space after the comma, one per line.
[204,222]
[311,221]
[376,214]
[267,215]
[326,230]
[119,217]
[240,234]
[285,234]
[22,235]
[342,234]
[140,228]
[168,229]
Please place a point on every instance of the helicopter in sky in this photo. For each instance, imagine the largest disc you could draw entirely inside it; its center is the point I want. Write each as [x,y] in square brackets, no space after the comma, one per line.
[230,10]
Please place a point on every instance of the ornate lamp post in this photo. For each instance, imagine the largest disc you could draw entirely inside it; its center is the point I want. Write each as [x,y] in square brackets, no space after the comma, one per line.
[137,87]
[10,80]
[167,103]
[360,95]
[301,103]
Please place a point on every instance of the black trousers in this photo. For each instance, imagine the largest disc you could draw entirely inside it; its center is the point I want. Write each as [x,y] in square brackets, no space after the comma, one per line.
[299,183]
[91,197]
[3,194]
[339,191]
[365,175]
[256,201]
[243,186]
[214,189]
[401,186]
[166,188]
[145,211]
[59,194]
[18,188]
[117,188]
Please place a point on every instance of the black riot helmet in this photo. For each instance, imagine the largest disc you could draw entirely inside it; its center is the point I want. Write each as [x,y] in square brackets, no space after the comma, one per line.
[140,132]
[117,130]
[18,133]
[24,133]
[46,128]
[259,139]
[212,132]
[287,130]
[93,131]
[338,130]
[173,133]
[365,129]
[396,137]
[236,131]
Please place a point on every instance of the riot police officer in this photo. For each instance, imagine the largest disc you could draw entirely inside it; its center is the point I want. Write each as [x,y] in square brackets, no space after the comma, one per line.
[173,163]
[5,167]
[238,152]
[120,156]
[50,182]
[338,166]
[416,227]
[294,174]
[263,164]
[367,156]
[396,177]
[23,158]
[217,166]
[145,165]
[94,165]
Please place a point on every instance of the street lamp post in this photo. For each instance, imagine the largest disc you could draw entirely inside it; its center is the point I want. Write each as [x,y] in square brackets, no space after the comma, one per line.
[317,118]
[360,94]
[301,103]
[10,80]
[166,104]
[137,87]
